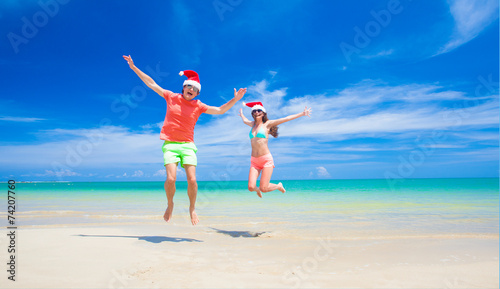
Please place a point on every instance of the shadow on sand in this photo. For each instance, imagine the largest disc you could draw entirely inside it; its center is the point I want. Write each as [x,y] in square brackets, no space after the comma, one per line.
[237,234]
[151,239]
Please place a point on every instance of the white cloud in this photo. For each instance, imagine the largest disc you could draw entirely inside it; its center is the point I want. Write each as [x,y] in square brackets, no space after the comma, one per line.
[471,18]
[58,174]
[489,137]
[383,53]
[370,109]
[362,148]
[393,116]
[323,172]
[160,173]
[152,126]
[376,111]
[20,119]
[180,172]
[272,99]
[163,173]
[138,174]
[82,148]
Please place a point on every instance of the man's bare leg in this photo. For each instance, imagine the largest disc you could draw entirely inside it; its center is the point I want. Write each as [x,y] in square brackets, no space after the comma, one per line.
[192,192]
[170,190]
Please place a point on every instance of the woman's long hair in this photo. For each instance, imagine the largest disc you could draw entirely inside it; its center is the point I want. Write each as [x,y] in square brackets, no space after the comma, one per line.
[273,130]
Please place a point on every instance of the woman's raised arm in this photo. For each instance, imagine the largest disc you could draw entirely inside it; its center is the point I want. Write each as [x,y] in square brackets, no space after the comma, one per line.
[245,120]
[276,122]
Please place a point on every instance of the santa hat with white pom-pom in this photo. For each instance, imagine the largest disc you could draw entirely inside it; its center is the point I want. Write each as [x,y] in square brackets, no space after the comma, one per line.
[255,105]
[193,78]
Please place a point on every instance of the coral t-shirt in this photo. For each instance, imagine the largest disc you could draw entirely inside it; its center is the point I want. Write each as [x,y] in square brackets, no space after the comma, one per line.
[181,117]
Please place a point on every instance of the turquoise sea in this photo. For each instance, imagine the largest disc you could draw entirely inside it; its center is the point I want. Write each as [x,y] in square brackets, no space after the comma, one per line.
[421,206]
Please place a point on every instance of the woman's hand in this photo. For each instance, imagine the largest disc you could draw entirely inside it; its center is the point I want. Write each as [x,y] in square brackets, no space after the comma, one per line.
[307,111]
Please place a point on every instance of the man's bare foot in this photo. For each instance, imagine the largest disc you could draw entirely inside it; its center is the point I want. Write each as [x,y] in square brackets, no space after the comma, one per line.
[281,188]
[194,216]
[168,213]
[259,193]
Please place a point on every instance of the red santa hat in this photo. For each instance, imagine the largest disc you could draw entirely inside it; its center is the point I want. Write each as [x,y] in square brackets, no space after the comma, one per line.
[193,78]
[255,105]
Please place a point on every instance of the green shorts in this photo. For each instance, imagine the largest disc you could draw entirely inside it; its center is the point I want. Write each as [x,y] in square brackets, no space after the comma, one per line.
[183,152]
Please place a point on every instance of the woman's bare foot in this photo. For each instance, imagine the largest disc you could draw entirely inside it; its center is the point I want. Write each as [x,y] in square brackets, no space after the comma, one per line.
[259,193]
[194,216]
[281,188]
[168,213]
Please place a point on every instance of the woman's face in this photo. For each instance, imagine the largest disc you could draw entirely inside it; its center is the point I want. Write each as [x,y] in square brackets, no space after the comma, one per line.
[258,113]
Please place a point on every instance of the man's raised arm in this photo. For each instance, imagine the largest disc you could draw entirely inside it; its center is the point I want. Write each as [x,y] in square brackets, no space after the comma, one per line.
[144,77]
[225,107]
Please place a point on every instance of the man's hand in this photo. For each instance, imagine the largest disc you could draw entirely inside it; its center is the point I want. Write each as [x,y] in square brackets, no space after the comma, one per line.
[239,94]
[129,61]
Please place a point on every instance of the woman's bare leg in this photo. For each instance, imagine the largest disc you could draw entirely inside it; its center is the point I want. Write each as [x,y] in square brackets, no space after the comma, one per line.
[265,181]
[253,175]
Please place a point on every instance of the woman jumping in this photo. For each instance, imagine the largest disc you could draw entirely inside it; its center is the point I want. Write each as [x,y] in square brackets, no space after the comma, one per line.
[262,160]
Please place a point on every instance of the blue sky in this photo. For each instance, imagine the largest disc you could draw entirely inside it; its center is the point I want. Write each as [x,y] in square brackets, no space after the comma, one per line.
[399,89]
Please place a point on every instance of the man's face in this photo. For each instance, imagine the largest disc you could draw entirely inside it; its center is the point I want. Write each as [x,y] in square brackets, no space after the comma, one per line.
[190,92]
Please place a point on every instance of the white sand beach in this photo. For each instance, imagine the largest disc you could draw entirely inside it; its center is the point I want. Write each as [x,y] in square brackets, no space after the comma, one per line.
[178,255]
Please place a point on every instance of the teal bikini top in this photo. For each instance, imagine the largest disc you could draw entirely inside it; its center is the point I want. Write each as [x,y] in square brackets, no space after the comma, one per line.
[260,134]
